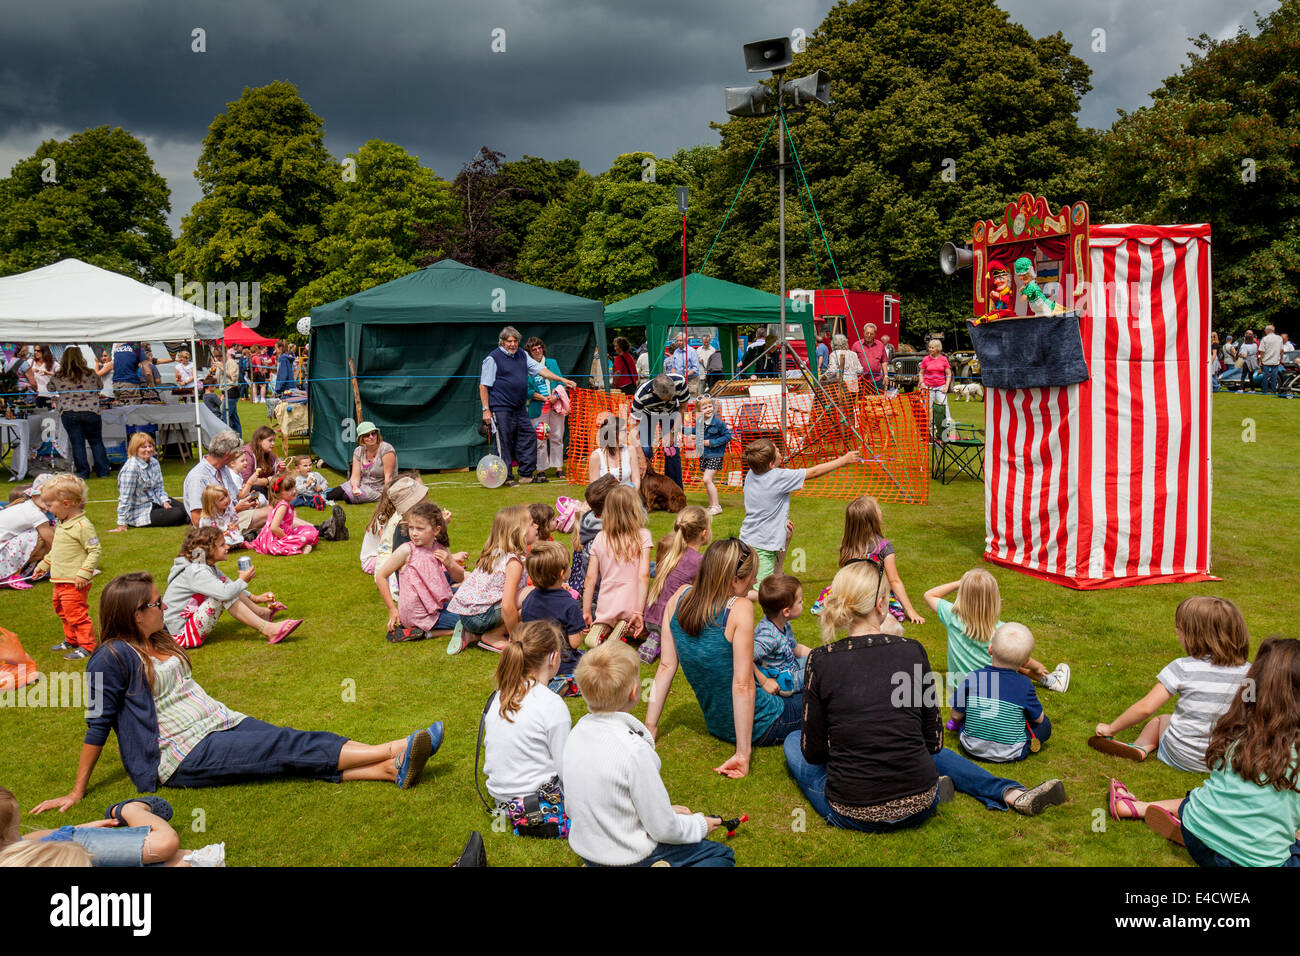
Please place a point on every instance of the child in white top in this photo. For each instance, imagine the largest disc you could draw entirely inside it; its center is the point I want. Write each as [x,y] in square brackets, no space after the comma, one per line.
[1213,633]
[620,811]
[527,725]
[219,512]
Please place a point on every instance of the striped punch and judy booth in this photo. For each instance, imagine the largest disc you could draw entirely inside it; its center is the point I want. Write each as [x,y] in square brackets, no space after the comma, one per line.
[1097,417]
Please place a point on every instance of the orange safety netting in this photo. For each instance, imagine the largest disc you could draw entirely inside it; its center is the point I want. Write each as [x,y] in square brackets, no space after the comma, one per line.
[891,432]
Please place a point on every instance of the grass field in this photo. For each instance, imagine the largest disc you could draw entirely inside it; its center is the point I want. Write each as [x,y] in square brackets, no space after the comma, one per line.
[1115,640]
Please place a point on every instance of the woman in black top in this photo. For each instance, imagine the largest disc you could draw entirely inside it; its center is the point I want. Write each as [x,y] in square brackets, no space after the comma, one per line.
[871,704]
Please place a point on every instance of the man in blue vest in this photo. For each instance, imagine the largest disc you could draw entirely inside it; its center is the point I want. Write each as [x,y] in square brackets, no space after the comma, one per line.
[503,388]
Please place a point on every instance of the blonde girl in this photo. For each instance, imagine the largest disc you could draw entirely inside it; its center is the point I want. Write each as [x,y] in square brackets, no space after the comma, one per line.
[971,620]
[488,600]
[714,437]
[218,511]
[620,564]
[527,725]
[678,561]
[864,539]
[1213,634]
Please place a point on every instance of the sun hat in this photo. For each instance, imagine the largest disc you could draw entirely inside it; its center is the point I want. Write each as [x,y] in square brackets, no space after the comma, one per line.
[365,428]
[407,492]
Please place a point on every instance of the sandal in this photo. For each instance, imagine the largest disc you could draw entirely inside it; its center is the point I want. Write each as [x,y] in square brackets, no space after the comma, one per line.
[1121,794]
[287,628]
[276,606]
[157,806]
[1117,748]
[1165,823]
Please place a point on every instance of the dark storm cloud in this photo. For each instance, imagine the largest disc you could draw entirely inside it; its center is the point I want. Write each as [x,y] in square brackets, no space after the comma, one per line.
[586,79]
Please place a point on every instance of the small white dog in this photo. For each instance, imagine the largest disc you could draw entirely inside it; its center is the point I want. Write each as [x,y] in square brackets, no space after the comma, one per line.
[970,391]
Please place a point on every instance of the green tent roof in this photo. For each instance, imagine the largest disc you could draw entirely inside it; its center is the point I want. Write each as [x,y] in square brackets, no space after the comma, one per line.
[418,343]
[709,301]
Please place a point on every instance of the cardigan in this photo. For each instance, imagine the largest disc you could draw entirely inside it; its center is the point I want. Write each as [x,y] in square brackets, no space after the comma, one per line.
[871,715]
[125,706]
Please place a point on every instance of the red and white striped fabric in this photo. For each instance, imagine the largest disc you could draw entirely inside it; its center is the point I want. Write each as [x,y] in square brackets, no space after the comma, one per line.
[1107,483]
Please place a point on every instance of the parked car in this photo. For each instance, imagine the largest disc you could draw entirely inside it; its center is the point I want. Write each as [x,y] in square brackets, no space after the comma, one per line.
[965,367]
[905,370]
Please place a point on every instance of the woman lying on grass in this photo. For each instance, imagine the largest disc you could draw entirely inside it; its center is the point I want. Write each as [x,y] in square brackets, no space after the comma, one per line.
[170,732]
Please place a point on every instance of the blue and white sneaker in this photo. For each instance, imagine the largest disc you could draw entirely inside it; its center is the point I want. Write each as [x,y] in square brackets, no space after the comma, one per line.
[419,748]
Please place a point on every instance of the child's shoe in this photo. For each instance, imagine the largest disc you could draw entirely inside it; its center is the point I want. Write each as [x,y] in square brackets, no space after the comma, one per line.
[596,636]
[318,502]
[649,649]
[785,684]
[401,634]
[953,724]
[77,654]
[419,748]
[459,639]
[1059,679]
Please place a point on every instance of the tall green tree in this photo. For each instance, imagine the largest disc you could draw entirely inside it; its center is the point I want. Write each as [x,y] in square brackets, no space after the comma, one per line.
[267,180]
[371,231]
[1219,145]
[944,110]
[94,196]
[475,237]
[534,182]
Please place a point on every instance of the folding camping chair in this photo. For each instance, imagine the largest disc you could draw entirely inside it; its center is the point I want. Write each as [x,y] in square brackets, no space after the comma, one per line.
[955,448]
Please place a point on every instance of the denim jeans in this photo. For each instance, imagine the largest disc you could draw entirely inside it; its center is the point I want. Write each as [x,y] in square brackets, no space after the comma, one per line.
[811,779]
[788,724]
[86,428]
[1271,373]
[704,853]
[230,411]
[970,778]
[107,846]
[1204,856]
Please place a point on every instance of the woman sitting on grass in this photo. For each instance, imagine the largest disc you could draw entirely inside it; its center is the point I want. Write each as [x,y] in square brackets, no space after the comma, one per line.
[711,628]
[1248,812]
[871,754]
[171,733]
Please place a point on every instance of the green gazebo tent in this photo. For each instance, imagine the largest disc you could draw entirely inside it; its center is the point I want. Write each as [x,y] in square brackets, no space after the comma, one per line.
[418,343]
[709,301]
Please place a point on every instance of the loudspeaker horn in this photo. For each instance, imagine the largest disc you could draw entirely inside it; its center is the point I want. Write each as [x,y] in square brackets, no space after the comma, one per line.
[747,100]
[814,86]
[952,258]
[768,55]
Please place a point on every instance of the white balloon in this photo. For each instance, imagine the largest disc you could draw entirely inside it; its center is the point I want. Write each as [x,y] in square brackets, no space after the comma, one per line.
[304,325]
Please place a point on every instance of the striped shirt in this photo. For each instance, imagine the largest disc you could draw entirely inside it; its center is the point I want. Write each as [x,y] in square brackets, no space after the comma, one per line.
[139,488]
[997,702]
[645,402]
[1204,691]
[186,714]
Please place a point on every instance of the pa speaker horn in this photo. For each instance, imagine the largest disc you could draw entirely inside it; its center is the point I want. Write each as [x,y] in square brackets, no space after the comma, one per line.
[814,86]
[747,100]
[766,55]
[952,258]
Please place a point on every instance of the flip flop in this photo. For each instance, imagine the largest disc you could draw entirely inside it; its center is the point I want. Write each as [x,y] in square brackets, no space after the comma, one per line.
[1117,748]
[287,628]
[1121,794]
[275,606]
[1165,823]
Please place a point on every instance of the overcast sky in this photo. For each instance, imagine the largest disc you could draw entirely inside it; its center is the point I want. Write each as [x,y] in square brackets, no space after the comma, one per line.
[586,79]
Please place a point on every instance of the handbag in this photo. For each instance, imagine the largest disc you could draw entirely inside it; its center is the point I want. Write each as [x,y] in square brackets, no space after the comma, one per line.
[539,814]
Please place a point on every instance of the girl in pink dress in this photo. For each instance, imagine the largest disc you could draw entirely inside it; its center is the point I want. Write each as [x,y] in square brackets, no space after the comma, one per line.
[423,567]
[620,564]
[280,536]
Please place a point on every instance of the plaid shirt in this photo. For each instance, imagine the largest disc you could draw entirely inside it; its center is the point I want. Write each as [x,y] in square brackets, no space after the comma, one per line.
[139,488]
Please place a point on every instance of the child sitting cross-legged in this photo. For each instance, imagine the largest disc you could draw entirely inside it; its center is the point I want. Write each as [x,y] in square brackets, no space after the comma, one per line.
[425,571]
[549,600]
[526,725]
[488,599]
[219,512]
[615,798]
[310,485]
[779,660]
[1003,718]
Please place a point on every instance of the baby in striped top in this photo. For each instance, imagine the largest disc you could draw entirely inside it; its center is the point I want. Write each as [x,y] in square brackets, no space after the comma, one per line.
[1003,718]
[1213,633]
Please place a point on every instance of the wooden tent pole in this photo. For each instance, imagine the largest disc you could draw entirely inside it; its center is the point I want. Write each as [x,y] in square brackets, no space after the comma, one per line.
[356,392]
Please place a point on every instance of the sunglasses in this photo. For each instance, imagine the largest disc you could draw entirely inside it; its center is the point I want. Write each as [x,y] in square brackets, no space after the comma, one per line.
[158,604]
[879,565]
[745,552]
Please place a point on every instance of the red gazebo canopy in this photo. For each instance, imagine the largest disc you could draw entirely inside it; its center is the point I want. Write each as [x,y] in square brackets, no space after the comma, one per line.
[237,333]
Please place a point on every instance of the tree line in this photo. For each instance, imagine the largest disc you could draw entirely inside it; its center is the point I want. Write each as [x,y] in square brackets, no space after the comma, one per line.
[944,110]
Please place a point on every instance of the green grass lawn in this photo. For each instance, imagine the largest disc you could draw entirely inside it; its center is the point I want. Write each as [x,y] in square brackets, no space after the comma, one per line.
[1116,641]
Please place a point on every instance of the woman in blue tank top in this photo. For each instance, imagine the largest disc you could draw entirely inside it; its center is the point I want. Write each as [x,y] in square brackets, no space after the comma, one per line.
[711,631]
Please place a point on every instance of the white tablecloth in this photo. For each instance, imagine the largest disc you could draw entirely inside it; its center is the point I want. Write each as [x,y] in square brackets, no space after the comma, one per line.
[28,433]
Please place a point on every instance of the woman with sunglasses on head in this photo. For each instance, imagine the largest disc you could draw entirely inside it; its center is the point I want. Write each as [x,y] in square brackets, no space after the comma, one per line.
[711,630]
[170,732]
[871,756]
